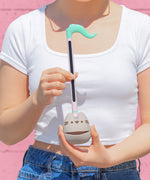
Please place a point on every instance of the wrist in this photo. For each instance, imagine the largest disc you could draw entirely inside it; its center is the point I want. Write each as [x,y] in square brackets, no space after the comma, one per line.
[35,102]
[113,156]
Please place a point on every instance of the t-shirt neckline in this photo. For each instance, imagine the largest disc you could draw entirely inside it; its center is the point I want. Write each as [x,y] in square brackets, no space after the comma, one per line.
[80,55]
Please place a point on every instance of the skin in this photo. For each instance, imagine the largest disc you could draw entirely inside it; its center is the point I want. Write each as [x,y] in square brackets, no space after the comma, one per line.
[63,13]
[20,112]
[104,23]
[76,10]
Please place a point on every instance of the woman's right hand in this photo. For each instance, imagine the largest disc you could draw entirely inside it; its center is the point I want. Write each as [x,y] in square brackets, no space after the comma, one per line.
[52,83]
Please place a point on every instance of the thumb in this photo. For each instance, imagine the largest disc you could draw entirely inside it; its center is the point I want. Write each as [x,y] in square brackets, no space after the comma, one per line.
[95,136]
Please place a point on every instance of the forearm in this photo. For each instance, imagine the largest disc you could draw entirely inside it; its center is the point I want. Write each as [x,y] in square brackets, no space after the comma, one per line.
[133,147]
[18,122]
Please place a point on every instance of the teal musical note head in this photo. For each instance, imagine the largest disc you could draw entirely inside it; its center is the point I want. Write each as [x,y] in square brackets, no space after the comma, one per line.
[80,29]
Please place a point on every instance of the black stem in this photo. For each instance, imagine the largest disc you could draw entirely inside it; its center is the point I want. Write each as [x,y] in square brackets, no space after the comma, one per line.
[71,70]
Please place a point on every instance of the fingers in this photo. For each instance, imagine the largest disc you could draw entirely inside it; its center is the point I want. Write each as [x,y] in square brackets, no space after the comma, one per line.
[95,136]
[67,75]
[52,83]
[57,77]
[55,85]
[65,144]
[51,79]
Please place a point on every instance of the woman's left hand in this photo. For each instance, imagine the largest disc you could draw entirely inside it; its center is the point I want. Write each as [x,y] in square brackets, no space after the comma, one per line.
[96,155]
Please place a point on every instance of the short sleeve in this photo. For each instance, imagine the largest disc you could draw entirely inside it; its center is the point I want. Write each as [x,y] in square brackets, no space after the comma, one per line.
[14,48]
[143,47]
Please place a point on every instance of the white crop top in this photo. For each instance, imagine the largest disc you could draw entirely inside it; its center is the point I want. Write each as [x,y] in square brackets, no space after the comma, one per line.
[107,88]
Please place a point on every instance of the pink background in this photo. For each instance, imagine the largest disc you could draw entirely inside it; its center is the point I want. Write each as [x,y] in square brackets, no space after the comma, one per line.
[11,156]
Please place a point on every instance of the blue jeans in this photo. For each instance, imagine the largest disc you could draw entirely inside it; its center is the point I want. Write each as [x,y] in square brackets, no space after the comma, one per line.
[40,164]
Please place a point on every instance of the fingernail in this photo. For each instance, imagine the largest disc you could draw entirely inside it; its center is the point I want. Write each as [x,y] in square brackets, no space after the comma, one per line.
[71,76]
[61,127]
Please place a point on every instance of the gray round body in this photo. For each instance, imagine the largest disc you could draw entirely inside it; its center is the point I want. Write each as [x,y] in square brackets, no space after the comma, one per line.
[77,129]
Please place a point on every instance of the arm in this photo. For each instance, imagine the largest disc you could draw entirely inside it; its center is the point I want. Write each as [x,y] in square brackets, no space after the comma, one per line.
[138,144]
[133,147]
[20,112]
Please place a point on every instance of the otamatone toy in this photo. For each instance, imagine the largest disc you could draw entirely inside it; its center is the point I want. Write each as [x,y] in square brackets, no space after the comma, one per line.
[76,125]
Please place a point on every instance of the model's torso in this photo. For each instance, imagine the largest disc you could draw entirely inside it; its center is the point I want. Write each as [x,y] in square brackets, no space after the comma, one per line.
[107,29]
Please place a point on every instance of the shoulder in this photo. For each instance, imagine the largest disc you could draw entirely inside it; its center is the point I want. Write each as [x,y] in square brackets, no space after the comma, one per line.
[25,22]
[137,19]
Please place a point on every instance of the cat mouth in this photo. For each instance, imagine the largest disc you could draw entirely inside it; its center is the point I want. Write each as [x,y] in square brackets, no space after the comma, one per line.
[77,132]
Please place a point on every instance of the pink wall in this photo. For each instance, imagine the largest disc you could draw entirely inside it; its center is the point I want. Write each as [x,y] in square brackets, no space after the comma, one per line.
[11,156]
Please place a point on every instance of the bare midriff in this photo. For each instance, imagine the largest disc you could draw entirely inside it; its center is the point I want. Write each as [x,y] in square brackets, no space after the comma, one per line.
[56,148]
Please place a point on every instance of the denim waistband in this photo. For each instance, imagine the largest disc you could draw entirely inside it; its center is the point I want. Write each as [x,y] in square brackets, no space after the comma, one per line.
[47,159]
